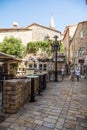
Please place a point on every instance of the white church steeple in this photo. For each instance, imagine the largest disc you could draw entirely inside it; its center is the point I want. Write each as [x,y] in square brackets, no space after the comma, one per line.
[52,25]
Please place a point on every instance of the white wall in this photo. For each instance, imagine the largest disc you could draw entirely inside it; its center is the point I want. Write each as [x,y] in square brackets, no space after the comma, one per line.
[25,36]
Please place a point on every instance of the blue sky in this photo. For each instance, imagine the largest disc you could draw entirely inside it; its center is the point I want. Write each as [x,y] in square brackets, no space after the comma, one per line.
[26,12]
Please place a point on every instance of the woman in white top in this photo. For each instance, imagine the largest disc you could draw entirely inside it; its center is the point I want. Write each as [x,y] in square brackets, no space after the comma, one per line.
[77,73]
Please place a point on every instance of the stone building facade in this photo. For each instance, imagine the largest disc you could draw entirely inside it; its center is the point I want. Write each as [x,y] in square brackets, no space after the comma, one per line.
[33,32]
[68,34]
[21,33]
[77,46]
[39,32]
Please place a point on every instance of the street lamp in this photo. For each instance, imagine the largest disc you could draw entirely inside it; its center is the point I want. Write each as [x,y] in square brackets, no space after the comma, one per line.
[55,48]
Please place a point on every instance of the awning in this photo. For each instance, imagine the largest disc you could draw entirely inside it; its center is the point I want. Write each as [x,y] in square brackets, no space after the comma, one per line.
[6,57]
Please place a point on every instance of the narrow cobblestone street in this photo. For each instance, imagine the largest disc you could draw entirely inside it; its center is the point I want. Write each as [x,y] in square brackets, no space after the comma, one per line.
[63,106]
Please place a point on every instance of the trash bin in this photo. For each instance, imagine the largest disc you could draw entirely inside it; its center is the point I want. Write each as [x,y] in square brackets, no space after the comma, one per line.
[34,86]
[44,79]
[40,82]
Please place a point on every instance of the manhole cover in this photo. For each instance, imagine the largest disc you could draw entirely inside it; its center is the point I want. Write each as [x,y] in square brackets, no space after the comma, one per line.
[2,118]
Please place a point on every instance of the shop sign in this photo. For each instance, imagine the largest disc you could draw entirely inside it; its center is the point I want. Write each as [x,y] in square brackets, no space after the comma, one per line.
[81,61]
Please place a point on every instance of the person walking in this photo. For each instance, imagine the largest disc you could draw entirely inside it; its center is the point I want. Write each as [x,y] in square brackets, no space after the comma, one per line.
[62,73]
[77,73]
[72,74]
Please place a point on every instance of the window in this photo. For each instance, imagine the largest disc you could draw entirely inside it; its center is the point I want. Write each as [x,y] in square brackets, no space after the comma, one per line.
[81,34]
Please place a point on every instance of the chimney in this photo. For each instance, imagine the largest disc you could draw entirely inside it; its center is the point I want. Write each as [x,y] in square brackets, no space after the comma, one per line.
[15,24]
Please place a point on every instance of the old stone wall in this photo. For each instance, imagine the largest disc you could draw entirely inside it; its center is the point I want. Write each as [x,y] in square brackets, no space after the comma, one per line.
[80,41]
[39,33]
[25,36]
[15,93]
[81,35]
[31,33]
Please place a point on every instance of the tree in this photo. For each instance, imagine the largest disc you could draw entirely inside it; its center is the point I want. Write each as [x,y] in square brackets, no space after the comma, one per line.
[13,46]
[34,46]
[31,47]
[61,47]
[43,45]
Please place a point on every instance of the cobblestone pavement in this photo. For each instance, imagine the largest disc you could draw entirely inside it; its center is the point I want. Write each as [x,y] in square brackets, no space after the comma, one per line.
[63,106]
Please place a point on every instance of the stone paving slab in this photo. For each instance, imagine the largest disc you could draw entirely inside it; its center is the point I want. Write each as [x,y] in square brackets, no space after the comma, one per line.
[63,106]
